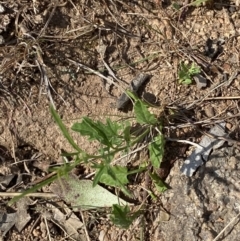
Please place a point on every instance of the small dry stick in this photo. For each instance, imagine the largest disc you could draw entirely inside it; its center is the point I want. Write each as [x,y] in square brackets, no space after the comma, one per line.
[224,98]
[48,232]
[216,238]
[84,225]
[185,141]
[34,194]
[33,226]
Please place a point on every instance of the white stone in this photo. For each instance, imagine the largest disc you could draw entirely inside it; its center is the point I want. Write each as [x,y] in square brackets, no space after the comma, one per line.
[2,9]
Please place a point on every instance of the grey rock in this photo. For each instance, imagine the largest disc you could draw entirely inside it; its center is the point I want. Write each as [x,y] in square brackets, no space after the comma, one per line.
[200,154]
[135,84]
[203,205]
[200,81]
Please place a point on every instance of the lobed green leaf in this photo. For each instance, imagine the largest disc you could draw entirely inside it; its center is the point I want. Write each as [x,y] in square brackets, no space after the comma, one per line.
[143,115]
[107,134]
[91,129]
[120,176]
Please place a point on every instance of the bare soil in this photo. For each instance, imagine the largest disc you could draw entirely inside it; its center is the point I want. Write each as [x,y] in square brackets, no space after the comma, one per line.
[40,41]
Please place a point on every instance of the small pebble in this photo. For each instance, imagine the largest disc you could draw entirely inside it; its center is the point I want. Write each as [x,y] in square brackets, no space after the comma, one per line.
[36,233]
[209,111]
[102,236]
[2,40]
[232,162]
[2,9]
[229,126]
[232,9]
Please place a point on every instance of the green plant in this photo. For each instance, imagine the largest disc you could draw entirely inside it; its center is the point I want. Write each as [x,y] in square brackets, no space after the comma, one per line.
[186,73]
[115,138]
[195,3]
[122,216]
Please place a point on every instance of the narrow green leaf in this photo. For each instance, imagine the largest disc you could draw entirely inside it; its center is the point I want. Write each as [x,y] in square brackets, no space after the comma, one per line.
[176,5]
[197,3]
[112,130]
[132,95]
[159,184]
[194,69]
[64,130]
[186,81]
[62,170]
[126,133]
[143,115]
[156,150]
[140,136]
[99,174]
[106,155]
[140,169]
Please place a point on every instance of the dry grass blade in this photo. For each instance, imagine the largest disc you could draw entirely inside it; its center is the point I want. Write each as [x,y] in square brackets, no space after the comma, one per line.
[45,79]
[84,226]
[49,19]
[224,98]
[33,226]
[10,62]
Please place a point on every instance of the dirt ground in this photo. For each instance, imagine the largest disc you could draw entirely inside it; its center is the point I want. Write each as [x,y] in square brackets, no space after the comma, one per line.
[41,45]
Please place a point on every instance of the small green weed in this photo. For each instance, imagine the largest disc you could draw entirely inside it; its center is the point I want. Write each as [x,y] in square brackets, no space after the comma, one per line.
[195,3]
[115,138]
[186,73]
[122,216]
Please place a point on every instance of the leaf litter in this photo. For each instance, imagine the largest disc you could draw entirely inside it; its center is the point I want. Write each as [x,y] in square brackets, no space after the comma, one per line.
[66,220]
[7,221]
